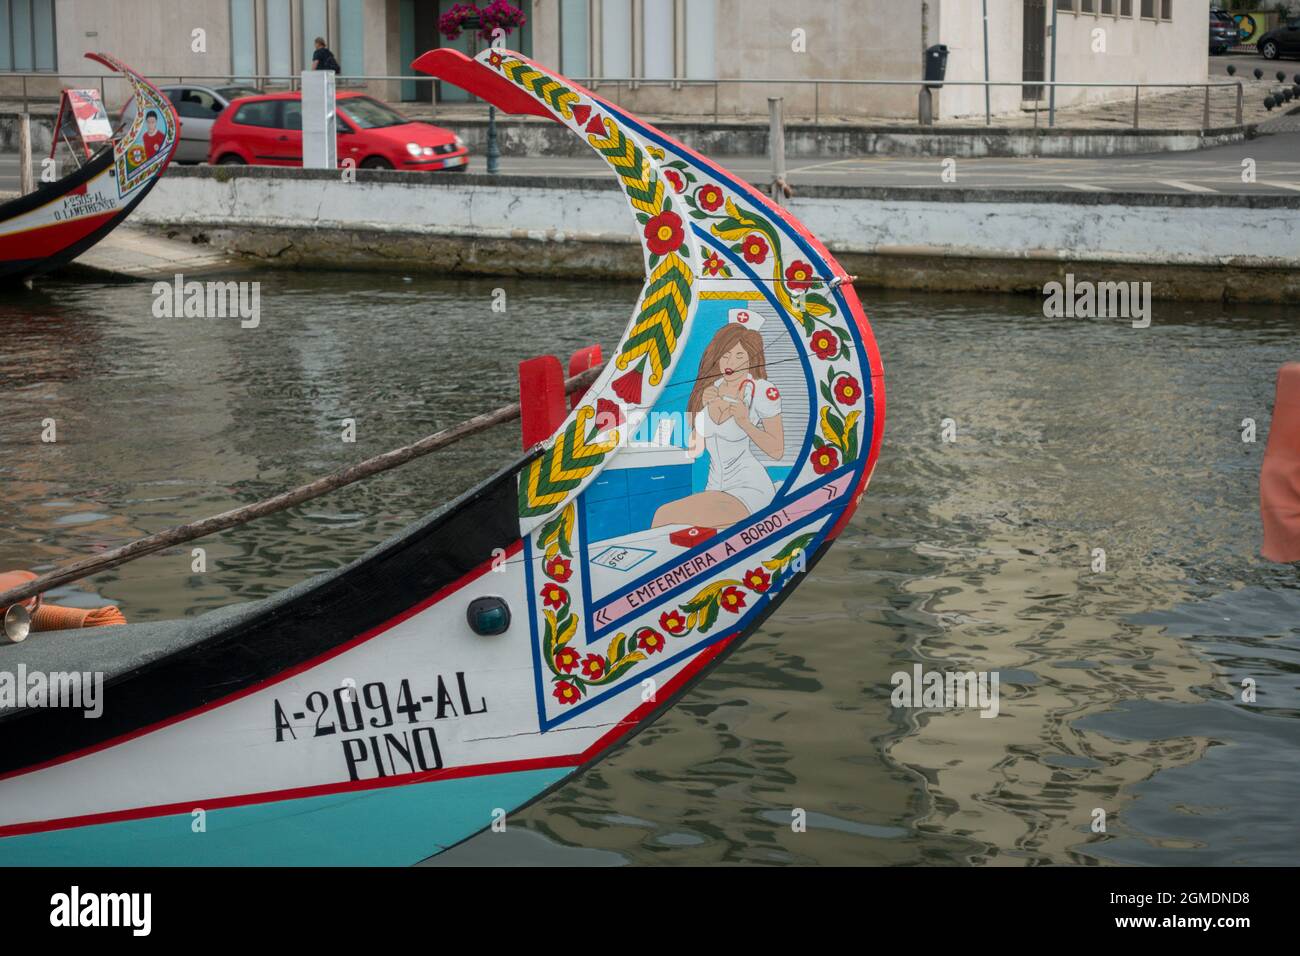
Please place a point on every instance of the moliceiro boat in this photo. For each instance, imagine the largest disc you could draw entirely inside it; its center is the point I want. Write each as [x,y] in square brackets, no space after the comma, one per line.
[58,222]
[384,712]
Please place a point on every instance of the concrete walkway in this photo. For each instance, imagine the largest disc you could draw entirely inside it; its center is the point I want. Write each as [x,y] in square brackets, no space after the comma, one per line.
[131,253]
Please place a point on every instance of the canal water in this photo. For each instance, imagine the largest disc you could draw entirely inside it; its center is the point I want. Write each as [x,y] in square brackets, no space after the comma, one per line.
[1121,691]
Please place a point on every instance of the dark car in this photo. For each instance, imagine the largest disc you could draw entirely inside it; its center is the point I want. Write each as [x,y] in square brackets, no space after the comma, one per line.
[1283,40]
[1223,31]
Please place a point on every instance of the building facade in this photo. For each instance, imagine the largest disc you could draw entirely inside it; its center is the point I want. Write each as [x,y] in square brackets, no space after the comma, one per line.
[673,57]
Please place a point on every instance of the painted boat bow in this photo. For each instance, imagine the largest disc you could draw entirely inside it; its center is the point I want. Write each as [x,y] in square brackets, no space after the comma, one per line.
[356,718]
[58,222]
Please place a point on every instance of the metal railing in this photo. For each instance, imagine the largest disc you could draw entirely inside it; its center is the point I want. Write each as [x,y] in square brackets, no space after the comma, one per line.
[292,82]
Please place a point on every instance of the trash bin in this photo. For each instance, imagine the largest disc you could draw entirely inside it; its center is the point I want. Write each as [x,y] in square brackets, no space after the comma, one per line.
[936,64]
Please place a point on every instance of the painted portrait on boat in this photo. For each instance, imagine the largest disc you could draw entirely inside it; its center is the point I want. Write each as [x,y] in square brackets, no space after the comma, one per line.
[716,448]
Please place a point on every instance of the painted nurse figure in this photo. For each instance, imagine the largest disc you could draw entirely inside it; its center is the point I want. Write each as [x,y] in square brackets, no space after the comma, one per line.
[732,409]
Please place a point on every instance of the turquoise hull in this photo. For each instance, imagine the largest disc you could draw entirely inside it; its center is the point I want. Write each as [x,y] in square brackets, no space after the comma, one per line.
[390,826]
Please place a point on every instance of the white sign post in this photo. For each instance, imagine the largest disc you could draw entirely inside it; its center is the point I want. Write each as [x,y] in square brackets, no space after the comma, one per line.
[320,144]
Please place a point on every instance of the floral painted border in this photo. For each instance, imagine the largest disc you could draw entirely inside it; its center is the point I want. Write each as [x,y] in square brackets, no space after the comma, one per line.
[573,674]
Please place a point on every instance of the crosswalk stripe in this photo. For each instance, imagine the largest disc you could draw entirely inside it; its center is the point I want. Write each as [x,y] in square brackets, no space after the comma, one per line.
[1188,187]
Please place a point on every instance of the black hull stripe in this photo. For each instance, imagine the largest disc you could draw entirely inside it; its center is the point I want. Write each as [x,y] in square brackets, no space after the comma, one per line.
[267,638]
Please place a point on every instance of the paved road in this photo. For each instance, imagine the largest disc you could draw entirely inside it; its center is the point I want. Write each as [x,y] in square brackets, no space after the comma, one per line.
[1246,63]
[1219,170]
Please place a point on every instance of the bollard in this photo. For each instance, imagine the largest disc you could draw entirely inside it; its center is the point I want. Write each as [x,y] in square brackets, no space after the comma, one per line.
[320,136]
[925,108]
[25,184]
[776,147]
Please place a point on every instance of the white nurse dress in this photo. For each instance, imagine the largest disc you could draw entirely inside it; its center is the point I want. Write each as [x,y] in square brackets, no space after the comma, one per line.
[733,468]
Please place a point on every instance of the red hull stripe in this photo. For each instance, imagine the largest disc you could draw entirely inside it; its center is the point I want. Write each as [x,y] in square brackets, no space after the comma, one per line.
[43,241]
[360,786]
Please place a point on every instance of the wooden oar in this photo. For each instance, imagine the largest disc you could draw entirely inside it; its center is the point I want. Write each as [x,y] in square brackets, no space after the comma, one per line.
[295,496]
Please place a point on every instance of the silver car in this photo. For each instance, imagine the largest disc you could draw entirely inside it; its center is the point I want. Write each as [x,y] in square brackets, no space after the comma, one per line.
[197,107]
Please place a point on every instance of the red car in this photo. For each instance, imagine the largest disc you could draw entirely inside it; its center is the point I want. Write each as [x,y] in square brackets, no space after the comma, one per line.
[267,131]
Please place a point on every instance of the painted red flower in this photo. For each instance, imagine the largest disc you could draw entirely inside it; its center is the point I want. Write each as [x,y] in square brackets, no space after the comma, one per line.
[713,264]
[675,178]
[628,387]
[758,580]
[559,569]
[608,414]
[566,693]
[733,599]
[494,59]
[825,459]
[799,275]
[554,596]
[593,668]
[825,344]
[664,233]
[651,641]
[755,248]
[674,622]
[566,659]
[709,197]
[847,390]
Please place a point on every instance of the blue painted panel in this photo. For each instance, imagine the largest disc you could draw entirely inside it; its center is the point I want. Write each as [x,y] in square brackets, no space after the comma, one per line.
[606,519]
[610,483]
[641,481]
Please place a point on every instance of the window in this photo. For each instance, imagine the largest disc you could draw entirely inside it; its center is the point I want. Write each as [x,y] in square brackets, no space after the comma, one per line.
[315,23]
[371,114]
[261,113]
[279,41]
[229,93]
[701,39]
[1108,8]
[657,39]
[1126,8]
[351,49]
[1166,9]
[575,19]
[1087,6]
[27,35]
[1065,5]
[1149,9]
[666,40]
[193,103]
[616,38]
[243,38]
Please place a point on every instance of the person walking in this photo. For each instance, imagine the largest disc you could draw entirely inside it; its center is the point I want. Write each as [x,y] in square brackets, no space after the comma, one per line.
[323,58]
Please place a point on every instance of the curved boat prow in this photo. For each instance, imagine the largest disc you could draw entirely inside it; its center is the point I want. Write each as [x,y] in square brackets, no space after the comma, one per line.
[388,710]
[61,220]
